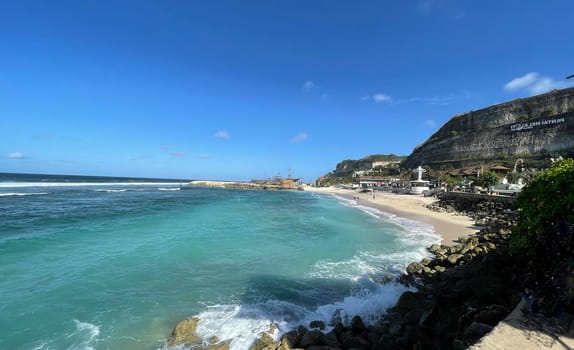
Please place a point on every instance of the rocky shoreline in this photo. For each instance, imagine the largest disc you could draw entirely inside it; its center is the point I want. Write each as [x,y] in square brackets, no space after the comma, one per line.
[461,293]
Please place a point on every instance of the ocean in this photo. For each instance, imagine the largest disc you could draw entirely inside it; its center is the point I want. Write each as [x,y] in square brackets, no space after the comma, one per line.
[108,263]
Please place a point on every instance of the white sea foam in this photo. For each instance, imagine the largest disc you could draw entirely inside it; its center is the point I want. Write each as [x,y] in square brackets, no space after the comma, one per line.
[416,233]
[86,333]
[243,324]
[169,189]
[363,264]
[17,194]
[112,190]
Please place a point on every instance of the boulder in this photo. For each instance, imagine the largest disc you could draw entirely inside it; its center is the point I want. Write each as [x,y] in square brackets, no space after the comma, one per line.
[356,343]
[310,338]
[224,345]
[414,268]
[330,339]
[184,333]
[317,324]
[454,258]
[357,325]
[290,339]
[265,342]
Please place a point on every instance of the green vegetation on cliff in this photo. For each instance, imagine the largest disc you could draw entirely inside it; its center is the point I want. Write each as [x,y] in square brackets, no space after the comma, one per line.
[544,237]
[544,207]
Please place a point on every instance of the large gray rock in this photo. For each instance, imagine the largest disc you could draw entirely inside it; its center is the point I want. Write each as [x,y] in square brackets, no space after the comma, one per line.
[184,333]
[414,268]
[454,258]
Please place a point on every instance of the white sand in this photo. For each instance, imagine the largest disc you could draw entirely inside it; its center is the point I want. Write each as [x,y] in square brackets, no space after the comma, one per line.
[413,207]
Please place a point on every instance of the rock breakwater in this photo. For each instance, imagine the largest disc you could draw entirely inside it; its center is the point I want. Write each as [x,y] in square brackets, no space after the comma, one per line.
[458,296]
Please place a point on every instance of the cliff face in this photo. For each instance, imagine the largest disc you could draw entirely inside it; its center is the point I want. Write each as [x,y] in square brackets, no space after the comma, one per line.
[537,125]
[347,167]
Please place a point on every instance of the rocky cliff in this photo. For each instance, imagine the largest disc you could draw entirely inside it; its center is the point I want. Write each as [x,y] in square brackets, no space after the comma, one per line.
[540,126]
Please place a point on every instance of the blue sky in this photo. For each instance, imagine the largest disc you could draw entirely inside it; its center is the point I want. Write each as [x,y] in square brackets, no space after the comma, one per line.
[248,89]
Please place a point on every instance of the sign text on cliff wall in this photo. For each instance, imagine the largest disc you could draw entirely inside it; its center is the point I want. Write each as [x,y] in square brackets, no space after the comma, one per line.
[535,124]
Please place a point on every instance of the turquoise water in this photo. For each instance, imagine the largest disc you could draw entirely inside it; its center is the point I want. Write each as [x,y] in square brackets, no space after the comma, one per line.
[116,266]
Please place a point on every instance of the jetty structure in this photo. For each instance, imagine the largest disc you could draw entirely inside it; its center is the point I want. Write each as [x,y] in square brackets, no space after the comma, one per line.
[274,183]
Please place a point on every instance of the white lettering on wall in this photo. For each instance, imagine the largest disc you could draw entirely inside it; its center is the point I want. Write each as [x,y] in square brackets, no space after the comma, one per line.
[534,124]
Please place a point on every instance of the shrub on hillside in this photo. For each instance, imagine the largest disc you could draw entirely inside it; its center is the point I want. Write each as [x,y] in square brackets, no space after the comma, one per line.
[545,210]
[544,238]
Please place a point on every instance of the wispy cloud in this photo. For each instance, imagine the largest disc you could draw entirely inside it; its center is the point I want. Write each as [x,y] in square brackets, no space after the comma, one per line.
[222,134]
[429,123]
[378,98]
[308,86]
[534,84]
[16,155]
[460,16]
[203,156]
[179,154]
[438,100]
[299,137]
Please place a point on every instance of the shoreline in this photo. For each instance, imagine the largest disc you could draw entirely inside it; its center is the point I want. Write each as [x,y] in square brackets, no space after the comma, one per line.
[450,227]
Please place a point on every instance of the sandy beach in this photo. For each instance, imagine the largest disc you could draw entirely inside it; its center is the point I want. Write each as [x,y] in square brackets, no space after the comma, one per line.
[413,207]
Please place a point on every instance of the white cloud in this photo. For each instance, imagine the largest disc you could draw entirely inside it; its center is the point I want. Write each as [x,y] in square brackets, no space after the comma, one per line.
[16,155]
[222,134]
[378,98]
[365,98]
[308,86]
[299,137]
[459,16]
[203,156]
[521,82]
[429,123]
[534,84]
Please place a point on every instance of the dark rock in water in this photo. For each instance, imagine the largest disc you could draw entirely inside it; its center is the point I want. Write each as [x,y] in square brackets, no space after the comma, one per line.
[356,343]
[317,324]
[290,339]
[184,333]
[330,339]
[357,325]
[410,300]
[301,330]
[310,338]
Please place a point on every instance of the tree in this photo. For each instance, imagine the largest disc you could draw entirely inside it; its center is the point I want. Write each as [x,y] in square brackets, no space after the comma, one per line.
[489,178]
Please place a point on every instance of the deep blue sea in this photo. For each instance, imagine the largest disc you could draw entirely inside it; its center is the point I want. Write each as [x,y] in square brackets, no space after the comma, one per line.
[104,263]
